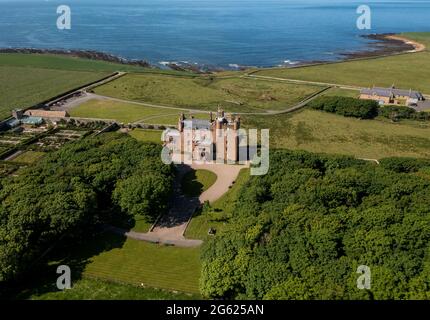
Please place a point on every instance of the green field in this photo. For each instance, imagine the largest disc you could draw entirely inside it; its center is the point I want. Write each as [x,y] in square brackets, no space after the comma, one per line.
[317,131]
[138,262]
[147,135]
[341,92]
[223,209]
[19,90]
[207,93]
[405,71]
[29,157]
[128,112]
[28,79]
[94,289]
[194,183]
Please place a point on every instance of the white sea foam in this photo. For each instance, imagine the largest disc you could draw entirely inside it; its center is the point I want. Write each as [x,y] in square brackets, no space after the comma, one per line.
[289,62]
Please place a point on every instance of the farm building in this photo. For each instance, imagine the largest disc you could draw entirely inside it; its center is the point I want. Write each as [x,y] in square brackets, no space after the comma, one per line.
[392,96]
[47,114]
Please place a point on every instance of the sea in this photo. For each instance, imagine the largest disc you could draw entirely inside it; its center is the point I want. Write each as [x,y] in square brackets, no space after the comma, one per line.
[220,33]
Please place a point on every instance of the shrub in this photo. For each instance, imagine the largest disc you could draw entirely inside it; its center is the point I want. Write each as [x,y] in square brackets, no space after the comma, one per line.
[347,107]
[396,113]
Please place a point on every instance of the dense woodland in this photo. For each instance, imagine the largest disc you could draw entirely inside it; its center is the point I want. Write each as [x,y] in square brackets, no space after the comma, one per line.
[76,189]
[301,231]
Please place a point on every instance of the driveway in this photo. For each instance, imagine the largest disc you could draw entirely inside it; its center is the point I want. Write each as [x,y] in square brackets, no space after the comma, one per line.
[170,228]
[226,176]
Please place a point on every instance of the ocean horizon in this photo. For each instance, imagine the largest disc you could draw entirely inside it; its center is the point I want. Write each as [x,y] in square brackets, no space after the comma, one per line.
[225,34]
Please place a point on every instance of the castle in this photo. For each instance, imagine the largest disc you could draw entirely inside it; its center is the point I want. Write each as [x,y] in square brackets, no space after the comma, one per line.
[210,140]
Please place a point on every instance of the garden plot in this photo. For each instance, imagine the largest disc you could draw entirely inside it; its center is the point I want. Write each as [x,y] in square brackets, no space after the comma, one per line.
[56,140]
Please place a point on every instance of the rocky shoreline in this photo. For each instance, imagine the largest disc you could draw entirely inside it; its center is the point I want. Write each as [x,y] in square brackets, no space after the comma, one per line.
[85,54]
[383,45]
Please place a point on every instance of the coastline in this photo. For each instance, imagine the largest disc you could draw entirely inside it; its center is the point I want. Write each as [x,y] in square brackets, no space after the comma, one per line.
[84,54]
[386,44]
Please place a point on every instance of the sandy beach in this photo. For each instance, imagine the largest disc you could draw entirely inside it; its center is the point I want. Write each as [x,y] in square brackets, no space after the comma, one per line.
[417,46]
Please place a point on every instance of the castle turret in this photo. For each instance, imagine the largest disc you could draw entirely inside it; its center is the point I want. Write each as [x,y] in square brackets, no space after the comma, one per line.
[236,123]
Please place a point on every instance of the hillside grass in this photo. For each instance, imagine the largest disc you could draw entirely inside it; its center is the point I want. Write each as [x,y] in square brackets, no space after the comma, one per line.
[404,71]
[208,92]
[23,87]
[322,132]
[128,112]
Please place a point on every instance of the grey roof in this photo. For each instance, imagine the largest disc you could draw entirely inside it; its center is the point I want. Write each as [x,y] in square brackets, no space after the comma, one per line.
[13,122]
[197,124]
[32,120]
[388,92]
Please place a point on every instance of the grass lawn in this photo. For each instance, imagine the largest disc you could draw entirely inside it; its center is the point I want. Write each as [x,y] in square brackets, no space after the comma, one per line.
[207,93]
[317,131]
[141,225]
[22,87]
[127,112]
[223,207]
[147,135]
[196,182]
[29,157]
[405,71]
[138,262]
[94,289]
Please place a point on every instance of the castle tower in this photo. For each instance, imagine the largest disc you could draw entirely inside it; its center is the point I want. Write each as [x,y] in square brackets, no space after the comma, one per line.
[181,123]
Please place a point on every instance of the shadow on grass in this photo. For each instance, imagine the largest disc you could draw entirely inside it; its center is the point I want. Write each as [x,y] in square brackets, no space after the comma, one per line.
[191,187]
[43,277]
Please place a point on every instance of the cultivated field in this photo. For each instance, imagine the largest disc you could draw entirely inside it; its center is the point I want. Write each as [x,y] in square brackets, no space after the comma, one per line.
[405,71]
[207,93]
[128,112]
[317,131]
[22,87]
